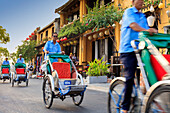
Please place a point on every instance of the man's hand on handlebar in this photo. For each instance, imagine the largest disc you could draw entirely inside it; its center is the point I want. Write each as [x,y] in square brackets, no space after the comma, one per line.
[152,30]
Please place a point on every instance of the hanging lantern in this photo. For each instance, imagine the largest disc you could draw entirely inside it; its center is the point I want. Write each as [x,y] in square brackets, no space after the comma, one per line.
[101,34]
[168,13]
[95,35]
[58,40]
[27,38]
[90,37]
[65,38]
[64,45]
[151,20]
[161,5]
[106,32]
[42,48]
[68,44]
[61,39]
[71,42]
[30,36]
[75,41]
[152,8]
[33,33]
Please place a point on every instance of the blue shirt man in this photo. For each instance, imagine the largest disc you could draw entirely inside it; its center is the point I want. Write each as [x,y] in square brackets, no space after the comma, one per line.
[133,23]
[127,34]
[53,46]
[5,62]
[20,59]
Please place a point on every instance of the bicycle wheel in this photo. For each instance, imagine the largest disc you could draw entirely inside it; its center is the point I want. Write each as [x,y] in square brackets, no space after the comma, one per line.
[115,96]
[159,100]
[48,94]
[77,100]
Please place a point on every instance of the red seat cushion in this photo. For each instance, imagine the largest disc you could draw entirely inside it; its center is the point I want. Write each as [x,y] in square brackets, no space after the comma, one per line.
[159,71]
[63,69]
[20,70]
[5,71]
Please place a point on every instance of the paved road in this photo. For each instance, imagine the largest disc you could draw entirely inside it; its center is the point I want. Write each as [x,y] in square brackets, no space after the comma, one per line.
[21,99]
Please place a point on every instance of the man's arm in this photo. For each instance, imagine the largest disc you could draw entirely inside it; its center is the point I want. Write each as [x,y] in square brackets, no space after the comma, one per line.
[137,28]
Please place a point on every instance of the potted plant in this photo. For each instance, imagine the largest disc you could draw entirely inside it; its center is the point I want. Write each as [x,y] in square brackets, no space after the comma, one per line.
[97,71]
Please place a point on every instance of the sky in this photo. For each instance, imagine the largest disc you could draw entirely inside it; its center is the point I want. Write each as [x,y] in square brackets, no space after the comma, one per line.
[21,17]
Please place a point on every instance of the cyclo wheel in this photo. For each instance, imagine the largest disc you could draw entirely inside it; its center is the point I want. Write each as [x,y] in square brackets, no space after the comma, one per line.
[77,100]
[159,100]
[27,82]
[48,95]
[12,83]
[115,96]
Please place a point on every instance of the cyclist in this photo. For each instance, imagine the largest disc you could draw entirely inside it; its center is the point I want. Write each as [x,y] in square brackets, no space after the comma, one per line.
[5,62]
[20,59]
[53,46]
[134,22]
[30,70]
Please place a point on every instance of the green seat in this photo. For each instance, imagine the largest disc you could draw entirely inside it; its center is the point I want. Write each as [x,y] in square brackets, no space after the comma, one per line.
[158,40]
[19,65]
[5,66]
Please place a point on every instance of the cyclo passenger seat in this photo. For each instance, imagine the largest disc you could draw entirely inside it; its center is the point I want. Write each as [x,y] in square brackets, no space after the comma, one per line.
[64,73]
[5,71]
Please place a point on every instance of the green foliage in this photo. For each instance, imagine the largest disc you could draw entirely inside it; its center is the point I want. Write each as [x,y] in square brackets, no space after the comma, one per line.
[4,52]
[96,18]
[4,37]
[97,68]
[102,17]
[149,2]
[13,56]
[27,49]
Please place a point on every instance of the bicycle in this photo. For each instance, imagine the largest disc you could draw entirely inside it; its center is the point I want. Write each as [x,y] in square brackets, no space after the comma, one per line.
[157,97]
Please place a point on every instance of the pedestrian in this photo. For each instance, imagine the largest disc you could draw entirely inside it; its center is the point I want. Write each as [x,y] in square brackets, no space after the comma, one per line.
[134,22]
[30,70]
[74,58]
[71,56]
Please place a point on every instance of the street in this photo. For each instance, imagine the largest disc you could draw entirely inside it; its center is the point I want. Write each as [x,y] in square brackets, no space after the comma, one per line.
[22,99]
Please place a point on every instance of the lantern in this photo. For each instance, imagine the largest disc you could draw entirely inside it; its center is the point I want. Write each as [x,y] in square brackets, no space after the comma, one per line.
[161,5]
[151,20]
[32,33]
[65,38]
[42,48]
[71,42]
[95,35]
[75,41]
[106,32]
[101,34]
[152,8]
[90,37]
[27,38]
[61,39]
[68,44]
[30,36]
[64,45]
[58,40]
[168,13]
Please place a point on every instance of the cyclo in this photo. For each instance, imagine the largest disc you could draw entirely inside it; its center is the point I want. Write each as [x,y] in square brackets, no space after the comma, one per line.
[155,69]
[20,74]
[5,73]
[61,80]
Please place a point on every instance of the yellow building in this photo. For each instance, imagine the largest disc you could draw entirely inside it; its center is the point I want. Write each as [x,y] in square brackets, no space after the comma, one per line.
[87,49]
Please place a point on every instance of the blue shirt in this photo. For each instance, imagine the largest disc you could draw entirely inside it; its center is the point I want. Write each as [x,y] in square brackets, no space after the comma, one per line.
[5,62]
[127,34]
[49,46]
[20,61]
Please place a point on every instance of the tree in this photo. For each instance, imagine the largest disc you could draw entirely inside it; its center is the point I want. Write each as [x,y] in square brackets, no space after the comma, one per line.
[4,37]
[27,49]
[13,56]
[4,52]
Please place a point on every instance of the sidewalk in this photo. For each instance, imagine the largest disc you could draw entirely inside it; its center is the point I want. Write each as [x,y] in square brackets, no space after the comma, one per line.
[104,87]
